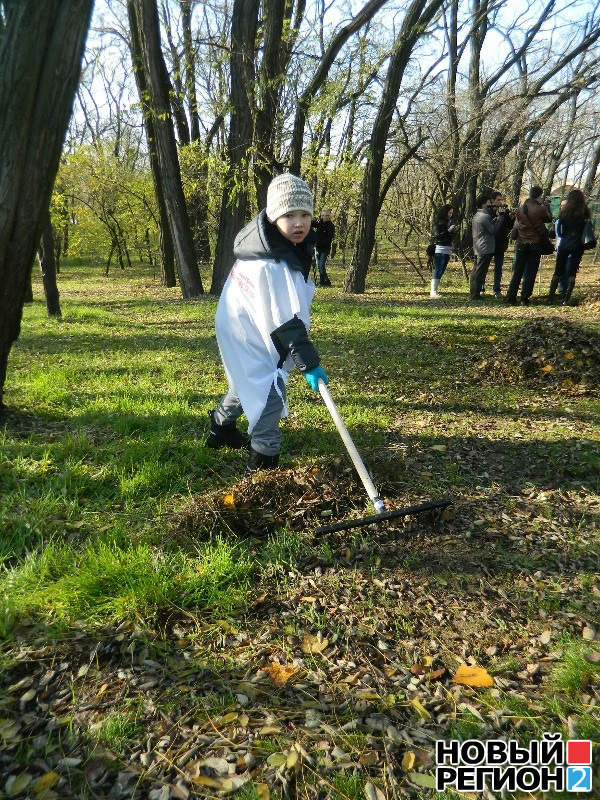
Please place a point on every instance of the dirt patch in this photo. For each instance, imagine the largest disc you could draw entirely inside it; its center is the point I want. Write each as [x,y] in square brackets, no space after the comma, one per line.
[547,352]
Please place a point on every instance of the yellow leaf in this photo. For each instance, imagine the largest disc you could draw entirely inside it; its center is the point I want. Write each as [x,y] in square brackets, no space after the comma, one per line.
[439,448]
[569,356]
[472,676]
[292,759]
[408,761]
[491,338]
[204,780]
[47,781]
[231,717]
[281,674]
[420,708]
[311,644]
[547,368]
[244,720]
[229,501]
[102,689]
[262,790]
[268,730]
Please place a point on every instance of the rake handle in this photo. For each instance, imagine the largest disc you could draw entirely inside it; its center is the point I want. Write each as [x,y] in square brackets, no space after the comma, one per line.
[351,448]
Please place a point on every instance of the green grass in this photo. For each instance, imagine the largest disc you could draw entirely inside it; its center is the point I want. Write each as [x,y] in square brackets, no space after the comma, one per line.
[117,731]
[105,446]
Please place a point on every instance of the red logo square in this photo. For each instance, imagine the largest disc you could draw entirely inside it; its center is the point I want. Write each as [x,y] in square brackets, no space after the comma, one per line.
[579,751]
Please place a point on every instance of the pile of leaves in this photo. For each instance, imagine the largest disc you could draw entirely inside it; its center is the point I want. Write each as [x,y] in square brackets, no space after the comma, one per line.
[591,302]
[546,352]
[260,503]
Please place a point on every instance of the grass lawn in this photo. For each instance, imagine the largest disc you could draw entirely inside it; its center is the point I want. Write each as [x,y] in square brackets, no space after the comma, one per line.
[170,627]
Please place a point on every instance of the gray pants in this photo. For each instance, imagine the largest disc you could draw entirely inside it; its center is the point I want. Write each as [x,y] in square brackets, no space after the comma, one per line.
[266,436]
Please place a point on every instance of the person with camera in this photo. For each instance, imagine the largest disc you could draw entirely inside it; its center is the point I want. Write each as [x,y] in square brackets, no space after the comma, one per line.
[443,231]
[501,212]
[569,230]
[485,229]
[532,243]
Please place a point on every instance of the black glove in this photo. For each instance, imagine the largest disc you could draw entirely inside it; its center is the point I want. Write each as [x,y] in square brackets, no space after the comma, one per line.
[291,338]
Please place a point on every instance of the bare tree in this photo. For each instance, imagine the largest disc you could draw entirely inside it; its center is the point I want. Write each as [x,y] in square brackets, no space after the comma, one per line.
[416,20]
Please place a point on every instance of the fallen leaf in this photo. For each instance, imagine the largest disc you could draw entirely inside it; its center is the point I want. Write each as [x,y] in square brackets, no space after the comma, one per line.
[420,709]
[269,730]
[368,759]
[229,501]
[427,781]
[16,784]
[279,673]
[262,790]
[589,633]
[47,781]
[276,760]
[408,761]
[312,644]
[472,676]
[204,780]
[373,792]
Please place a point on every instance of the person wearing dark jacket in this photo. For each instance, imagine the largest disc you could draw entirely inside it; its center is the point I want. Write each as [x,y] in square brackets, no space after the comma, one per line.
[325,233]
[485,228]
[529,223]
[443,231]
[500,210]
[569,230]
[262,322]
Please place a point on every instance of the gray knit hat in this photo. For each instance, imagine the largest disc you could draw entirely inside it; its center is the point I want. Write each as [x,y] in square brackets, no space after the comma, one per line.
[287,193]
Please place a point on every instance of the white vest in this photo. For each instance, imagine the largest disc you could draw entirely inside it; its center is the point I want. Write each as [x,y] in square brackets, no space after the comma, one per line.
[258,297]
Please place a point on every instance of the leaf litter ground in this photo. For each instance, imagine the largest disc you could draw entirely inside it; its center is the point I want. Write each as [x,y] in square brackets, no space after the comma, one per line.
[345,664]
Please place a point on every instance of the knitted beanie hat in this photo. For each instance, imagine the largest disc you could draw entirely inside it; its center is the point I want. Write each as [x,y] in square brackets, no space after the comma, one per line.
[287,193]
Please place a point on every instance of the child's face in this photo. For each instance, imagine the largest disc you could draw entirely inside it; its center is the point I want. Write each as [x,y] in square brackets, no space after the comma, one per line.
[294,225]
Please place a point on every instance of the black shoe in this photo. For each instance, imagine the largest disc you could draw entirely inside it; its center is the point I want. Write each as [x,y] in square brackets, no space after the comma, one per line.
[225,435]
[525,301]
[259,461]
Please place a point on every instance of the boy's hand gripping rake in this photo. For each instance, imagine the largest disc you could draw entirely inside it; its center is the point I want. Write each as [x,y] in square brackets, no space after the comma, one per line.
[381,514]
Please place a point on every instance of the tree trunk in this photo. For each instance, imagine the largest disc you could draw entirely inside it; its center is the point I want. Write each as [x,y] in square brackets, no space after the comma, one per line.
[279,38]
[235,193]
[588,186]
[40,60]
[190,68]
[167,265]
[48,265]
[157,81]
[415,22]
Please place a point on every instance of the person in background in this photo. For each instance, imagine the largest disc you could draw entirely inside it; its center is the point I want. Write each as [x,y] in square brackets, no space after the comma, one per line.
[262,322]
[569,229]
[485,228]
[325,232]
[531,217]
[443,230]
[500,209]
[562,284]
